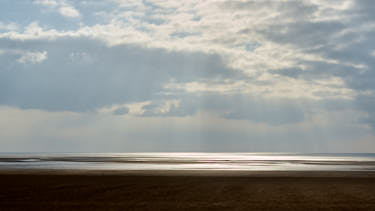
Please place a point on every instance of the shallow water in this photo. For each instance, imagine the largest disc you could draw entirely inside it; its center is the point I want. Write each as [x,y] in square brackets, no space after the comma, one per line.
[190,161]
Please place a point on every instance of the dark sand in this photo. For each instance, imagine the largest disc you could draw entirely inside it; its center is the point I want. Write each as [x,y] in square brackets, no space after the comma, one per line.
[111,190]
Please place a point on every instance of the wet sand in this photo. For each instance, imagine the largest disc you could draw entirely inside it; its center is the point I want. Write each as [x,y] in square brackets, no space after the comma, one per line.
[153,190]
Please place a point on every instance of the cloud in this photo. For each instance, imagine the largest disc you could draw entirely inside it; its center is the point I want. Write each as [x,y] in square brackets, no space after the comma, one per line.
[238,107]
[36,130]
[33,57]
[121,111]
[69,11]
[83,75]
[289,50]
[280,71]
[24,56]
[50,3]
[8,26]
[114,75]
[334,41]
[63,7]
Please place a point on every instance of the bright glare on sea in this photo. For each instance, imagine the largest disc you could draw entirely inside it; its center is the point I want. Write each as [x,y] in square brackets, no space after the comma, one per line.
[190,161]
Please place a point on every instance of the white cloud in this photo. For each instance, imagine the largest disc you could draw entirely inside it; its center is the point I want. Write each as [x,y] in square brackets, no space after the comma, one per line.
[24,56]
[49,3]
[220,27]
[69,11]
[81,57]
[63,7]
[299,59]
[33,57]
[288,88]
[8,26]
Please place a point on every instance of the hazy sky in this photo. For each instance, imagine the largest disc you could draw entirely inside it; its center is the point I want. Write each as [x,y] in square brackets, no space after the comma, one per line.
[194,75]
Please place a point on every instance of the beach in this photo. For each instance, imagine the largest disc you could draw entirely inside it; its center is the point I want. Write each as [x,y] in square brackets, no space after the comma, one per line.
[185,190]
[187,105]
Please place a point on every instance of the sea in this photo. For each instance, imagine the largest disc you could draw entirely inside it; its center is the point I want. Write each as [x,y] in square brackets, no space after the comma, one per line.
[190,161]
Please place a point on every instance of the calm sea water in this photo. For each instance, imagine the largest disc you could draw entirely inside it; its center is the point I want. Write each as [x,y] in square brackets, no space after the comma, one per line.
[190,161]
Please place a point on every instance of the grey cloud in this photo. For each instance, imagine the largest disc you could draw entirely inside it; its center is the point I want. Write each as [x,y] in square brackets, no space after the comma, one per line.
[99,75]
[188,106]
[303,33]
[347,41]
[183,34]
[121,111]
[289,72]
[358,79]
[367,104]
[256,109]
[318,70]
[364,10]
[296,9]
[114,75]
[125,74]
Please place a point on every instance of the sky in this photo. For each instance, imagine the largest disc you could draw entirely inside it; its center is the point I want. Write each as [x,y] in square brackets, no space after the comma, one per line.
[194,75]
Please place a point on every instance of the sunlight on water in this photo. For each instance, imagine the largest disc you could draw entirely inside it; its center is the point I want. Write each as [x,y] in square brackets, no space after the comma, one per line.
[190,161]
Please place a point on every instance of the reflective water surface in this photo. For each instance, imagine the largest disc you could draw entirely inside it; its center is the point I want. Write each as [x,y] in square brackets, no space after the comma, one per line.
[191,161]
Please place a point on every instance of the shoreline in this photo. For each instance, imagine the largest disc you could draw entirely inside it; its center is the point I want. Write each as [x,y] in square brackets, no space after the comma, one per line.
[209,173]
